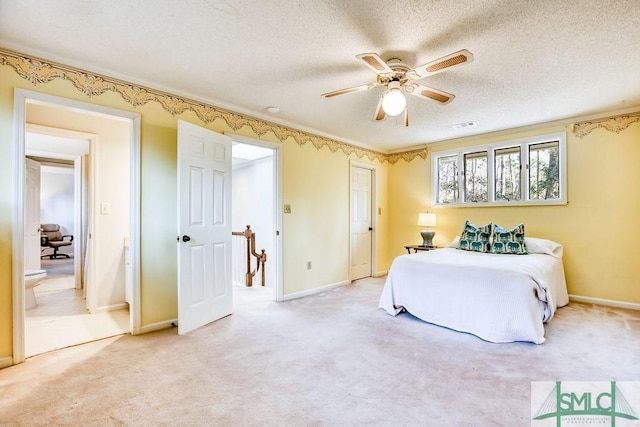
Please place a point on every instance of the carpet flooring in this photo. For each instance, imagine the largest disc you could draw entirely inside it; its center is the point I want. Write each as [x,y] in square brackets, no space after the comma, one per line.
[330,359]
[58,266]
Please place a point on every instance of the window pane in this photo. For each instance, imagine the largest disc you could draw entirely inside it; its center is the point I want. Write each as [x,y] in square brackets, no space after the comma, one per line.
[476,177]
[447,182]
[507,174]
[544,171]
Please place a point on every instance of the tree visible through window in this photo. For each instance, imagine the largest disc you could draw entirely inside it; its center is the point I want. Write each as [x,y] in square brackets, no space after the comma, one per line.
[507,173]
[527,171]
[544,171]
[476,177]
[447,179]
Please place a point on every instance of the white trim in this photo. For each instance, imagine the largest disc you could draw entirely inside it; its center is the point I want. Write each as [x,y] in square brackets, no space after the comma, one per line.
[381,273]
[305,293]
[524,144]
[135,312]
[21,98]
[107,308]
[605,302]
[19,109]
[374,211]
[165,324]
[277,148]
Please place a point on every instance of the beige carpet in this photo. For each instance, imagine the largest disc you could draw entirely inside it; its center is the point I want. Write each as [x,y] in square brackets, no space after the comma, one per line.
[330,359]
[58,266]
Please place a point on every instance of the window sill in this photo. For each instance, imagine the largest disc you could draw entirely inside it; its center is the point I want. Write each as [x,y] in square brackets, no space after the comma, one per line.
[501,204]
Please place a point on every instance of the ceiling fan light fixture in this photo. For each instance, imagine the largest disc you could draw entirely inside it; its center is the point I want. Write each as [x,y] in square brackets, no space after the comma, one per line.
[393,101]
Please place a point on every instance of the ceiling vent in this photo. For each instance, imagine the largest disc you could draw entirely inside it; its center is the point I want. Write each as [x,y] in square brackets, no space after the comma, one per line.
[463,125]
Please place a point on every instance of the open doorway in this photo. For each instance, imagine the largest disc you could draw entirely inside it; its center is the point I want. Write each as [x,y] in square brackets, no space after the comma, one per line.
[89,289]
[56,313]
[256,203]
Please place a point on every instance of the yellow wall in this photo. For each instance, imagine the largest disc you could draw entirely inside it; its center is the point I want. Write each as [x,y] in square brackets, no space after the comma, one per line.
[316,185]
[603,191]
[598,227]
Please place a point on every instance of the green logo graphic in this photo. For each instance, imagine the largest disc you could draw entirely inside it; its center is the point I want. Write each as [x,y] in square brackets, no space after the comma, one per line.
[585,404]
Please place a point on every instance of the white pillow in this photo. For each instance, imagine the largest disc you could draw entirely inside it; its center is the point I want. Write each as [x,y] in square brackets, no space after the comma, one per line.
[454,243]
[543,246]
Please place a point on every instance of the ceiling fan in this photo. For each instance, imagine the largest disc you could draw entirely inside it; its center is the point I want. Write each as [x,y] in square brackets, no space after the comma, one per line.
[399,79]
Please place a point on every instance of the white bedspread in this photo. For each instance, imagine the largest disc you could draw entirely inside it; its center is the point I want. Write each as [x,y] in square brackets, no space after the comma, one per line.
[499,298]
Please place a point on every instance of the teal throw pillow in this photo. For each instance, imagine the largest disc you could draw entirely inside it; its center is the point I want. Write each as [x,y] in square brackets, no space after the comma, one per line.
[475,238]
[509,241]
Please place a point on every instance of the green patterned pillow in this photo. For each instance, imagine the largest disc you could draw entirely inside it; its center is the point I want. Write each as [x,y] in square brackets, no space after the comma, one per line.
[509,241]
[475,238]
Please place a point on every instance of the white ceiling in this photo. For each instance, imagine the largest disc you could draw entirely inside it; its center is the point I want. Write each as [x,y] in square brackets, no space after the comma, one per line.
[535,61]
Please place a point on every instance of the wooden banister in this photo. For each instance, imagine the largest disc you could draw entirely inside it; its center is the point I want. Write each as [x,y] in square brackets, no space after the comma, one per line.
[261,258]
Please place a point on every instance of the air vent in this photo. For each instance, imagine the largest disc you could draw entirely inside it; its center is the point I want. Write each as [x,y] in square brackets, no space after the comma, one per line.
[463,125]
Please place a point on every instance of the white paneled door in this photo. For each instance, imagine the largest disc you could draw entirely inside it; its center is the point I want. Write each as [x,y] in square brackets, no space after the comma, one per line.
[204,227]
[361,222]
[32,215]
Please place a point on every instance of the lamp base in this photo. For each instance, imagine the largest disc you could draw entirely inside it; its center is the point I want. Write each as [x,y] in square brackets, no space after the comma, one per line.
[427,238]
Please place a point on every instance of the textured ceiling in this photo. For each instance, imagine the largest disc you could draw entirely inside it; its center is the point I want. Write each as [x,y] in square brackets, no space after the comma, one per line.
[535,61]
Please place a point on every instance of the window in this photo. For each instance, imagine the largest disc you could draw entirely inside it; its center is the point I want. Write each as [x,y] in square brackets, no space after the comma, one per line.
[475,177]
[527,171]
[544,171]
[507,173]
[447,179]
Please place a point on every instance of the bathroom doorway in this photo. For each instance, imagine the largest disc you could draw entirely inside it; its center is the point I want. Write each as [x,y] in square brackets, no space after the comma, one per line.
[84,296]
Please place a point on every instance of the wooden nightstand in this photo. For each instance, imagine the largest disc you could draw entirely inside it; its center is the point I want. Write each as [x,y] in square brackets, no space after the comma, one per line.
[417,248]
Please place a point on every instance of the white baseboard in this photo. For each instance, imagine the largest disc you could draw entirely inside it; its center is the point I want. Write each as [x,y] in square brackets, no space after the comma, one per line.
[381,273]
[114,307]
[607,302]
[6,361]
[165,324]
[317,290]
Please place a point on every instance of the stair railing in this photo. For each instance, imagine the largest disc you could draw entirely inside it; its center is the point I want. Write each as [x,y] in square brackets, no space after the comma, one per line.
[250,251]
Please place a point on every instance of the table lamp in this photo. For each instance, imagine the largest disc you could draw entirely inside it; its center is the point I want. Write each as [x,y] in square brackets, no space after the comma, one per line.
[427,220]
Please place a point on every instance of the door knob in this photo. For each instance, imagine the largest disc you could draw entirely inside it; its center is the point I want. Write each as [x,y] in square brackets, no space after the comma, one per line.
[370,229]
[186,238]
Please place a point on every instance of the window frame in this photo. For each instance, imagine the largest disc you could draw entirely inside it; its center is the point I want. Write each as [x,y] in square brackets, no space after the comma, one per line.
[523,144]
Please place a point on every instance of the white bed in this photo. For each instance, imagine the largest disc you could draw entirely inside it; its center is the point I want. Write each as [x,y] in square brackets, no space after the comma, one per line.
[499,298]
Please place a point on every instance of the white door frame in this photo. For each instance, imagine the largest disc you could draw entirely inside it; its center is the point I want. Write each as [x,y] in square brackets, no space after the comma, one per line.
[79,185]
[374,213]
[21,98]
[278,292]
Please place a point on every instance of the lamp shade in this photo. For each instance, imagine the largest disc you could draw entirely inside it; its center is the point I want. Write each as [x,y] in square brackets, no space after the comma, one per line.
[393,102]
[427,219]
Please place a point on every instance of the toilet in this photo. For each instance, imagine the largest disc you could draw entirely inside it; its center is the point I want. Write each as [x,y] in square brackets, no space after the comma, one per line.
[32,278]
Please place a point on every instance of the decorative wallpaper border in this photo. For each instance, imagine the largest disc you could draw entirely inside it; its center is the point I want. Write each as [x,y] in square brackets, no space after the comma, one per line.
[38,71]
[613,124]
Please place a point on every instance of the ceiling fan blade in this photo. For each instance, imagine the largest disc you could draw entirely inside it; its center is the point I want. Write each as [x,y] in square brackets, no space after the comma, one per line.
[421,91]
[349,90]
[379,114]
[374,62]
[406,117]
[445,63]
